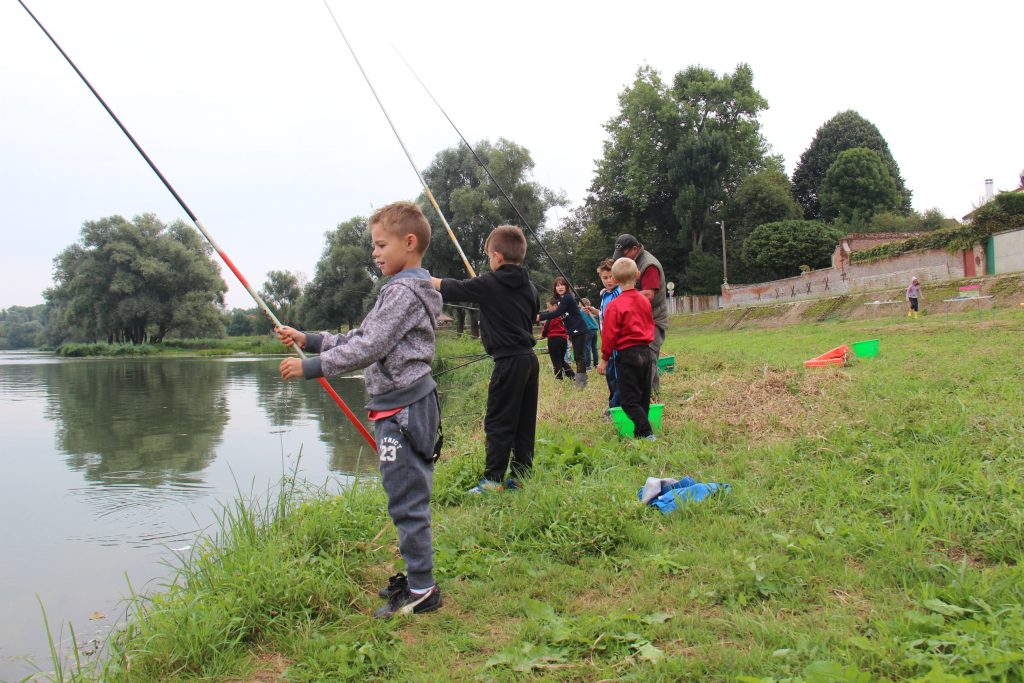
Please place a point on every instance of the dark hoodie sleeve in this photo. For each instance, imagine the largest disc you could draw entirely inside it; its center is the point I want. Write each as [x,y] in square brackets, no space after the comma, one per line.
[474,290]
[564,305]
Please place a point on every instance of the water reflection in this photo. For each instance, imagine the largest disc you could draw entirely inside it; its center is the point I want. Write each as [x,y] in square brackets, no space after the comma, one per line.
[112,465]
[138,421]
[286,403]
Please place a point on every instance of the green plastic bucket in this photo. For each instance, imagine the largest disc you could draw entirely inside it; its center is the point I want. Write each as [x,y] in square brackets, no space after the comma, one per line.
[666,364]
[625,425]
[865,349]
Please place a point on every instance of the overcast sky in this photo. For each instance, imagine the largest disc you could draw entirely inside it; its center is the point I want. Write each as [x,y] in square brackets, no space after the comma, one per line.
[257,115]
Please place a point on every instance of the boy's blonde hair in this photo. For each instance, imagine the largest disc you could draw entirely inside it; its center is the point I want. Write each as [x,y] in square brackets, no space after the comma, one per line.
[606,266]
[404,218]
[552,301]
[509,241]
[624,270]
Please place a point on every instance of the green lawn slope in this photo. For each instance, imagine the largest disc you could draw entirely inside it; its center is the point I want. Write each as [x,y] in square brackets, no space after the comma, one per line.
[874,532]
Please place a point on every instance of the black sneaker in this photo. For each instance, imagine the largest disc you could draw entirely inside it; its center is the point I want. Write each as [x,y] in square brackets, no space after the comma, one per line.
[407,602]
[396,583]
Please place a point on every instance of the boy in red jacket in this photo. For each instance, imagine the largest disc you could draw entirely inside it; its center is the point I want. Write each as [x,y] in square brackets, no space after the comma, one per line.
[627,333]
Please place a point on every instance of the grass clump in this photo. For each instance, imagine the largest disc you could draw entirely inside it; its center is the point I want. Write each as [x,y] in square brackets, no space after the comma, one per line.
[874,532]
[78,350]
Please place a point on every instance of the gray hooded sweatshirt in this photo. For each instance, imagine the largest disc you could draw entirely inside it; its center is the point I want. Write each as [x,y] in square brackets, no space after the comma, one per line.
[395,343]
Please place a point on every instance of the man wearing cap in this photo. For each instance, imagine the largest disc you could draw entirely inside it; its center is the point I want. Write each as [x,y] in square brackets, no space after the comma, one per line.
[652,285]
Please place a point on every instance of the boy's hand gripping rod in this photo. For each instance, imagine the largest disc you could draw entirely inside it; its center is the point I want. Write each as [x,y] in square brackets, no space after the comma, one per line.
[256,297]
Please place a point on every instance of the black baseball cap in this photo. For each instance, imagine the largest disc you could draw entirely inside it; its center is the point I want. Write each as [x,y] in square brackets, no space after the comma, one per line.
[622,243]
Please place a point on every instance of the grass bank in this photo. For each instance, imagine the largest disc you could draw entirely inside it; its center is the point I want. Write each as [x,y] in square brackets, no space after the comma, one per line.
[226,346]
[874,532]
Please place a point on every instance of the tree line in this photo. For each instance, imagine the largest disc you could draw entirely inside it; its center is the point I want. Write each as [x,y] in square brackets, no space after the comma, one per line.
[680,158]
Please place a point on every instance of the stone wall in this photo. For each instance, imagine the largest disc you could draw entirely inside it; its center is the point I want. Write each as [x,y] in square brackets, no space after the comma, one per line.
[1009,251]
[928,265]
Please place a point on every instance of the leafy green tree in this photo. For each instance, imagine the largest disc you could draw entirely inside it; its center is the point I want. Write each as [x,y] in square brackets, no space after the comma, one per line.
[704,276]
[843,131]
[21,327]
[934,219]
[344,276]
[892,221]
[1006,211]
[244,322]
[578,247]
[474,206]
[762,197]
[281,291]
[674,155]
[20,335]
[781,248]
[856,187]
[136,281]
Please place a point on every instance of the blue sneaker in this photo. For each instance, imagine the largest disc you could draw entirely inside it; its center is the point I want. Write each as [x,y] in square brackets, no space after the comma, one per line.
[513,484]
[485,486]
[651,437]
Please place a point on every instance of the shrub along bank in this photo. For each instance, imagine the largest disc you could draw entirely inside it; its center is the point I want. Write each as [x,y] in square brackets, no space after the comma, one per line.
[225,346]
[874,531]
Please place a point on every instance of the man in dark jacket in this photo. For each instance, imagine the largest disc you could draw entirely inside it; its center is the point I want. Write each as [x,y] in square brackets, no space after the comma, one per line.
[508,307]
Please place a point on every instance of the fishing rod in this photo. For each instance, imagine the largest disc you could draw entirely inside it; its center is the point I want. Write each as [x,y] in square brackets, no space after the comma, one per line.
[220,252]
[494,180]
[483,356]
[430,195]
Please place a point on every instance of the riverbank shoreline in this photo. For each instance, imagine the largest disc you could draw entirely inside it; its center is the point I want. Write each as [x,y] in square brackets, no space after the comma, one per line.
[264,345]
[874,511]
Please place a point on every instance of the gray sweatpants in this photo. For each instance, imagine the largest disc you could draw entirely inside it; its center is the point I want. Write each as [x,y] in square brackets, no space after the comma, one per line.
[405,444]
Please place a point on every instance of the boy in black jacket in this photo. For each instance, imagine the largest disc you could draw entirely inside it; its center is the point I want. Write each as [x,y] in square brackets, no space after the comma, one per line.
[508,306]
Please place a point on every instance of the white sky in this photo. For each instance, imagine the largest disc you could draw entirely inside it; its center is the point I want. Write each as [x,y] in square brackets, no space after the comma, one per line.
[257,115]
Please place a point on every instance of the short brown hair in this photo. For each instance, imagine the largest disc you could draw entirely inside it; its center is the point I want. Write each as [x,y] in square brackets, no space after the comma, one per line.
[552,301]
[404,218]
[509,241]
[606,266]
[624,270]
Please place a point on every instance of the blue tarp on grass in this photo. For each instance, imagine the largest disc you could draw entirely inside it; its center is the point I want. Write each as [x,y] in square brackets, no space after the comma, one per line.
[668,494]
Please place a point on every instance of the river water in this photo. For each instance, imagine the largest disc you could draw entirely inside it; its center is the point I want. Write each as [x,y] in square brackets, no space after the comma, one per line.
[112,467]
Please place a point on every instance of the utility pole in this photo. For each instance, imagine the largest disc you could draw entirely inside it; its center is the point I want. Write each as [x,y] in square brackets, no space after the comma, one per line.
[725,270]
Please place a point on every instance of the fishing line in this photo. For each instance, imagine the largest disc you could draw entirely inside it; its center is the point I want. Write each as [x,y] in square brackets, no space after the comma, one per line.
[430,195]
[468,355]
[480,161]
[468,308]
[458,367]
[195,220]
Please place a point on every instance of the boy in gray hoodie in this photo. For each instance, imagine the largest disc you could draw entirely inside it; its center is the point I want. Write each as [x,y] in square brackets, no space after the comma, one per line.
[395,344]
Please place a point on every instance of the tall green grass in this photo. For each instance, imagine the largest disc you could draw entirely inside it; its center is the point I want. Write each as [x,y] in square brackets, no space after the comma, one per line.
[874,532]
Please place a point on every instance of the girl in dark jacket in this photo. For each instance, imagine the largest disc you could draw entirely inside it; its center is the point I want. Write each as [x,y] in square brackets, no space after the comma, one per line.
[569,311]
